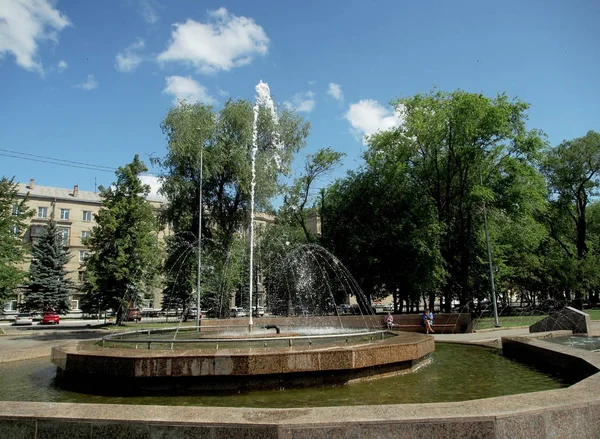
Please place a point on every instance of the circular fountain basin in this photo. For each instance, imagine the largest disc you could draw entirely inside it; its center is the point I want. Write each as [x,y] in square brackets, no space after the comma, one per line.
[240,363]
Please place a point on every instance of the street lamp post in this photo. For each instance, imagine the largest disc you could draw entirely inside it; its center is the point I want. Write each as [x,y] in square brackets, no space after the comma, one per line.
[489,251]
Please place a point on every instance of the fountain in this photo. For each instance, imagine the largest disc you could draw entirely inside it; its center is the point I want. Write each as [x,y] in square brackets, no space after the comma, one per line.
[320,347]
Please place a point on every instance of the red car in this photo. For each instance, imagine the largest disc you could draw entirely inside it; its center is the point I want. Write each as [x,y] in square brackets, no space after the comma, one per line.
[51,318]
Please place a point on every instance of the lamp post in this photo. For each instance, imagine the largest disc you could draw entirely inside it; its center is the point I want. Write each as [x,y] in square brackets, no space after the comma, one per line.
[199,248]
[489,251]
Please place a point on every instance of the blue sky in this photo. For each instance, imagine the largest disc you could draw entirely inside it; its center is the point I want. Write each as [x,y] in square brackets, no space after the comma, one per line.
[90,81]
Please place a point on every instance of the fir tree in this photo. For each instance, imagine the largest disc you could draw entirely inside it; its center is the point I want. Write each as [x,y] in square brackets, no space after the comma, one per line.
[13,213]
[49,288]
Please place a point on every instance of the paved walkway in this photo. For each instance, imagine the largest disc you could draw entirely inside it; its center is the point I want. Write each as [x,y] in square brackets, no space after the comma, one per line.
[492,336]
[39,344]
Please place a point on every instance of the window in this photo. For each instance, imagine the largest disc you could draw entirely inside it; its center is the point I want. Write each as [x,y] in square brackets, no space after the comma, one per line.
[64,236]
[83,255]
[16,210]
[64,214]
[36,232]
[15,230]
[42,212]
[82,276]
[74,304]
[85,234]
[87,216]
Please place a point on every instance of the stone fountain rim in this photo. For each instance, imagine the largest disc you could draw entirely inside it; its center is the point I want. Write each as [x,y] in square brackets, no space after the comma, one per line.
[521,415]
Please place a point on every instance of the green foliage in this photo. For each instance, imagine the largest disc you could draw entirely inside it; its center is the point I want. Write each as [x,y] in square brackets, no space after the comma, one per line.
[423,189]
[13,215]
[573,172]
[124,256]
[299,198]
[224,139]
[49,288]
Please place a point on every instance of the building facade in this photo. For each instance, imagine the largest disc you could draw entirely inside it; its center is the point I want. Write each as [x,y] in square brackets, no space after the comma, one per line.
[73,212]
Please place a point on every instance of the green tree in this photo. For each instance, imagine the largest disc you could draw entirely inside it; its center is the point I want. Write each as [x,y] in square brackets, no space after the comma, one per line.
[124,257]
[463,144]
[424,188]
[299,198]
[381,227]
[224,139]
[49,288]
[13,215]
[573,173]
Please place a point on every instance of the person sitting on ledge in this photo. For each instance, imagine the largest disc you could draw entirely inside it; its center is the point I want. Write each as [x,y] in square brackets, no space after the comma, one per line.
[389,320]
[428,321]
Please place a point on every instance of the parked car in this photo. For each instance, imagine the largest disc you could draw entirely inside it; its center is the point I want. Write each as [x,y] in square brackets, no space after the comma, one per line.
[258,311]
[133,315]
[50,318]
[237,312]
[24,319]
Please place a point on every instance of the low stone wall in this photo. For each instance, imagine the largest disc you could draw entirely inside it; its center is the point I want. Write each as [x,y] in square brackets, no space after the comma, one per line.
[459,322]
[565,413]
[570,363]
[240,368]
[572,412]
[566,319]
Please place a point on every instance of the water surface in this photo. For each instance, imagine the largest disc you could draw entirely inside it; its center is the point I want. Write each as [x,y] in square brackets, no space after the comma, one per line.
[456,373]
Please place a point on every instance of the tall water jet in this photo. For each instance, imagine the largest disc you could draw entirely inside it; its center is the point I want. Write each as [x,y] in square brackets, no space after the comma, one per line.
[262,99]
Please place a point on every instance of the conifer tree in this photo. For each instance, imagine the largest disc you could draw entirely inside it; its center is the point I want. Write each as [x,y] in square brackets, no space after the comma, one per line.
[49,288]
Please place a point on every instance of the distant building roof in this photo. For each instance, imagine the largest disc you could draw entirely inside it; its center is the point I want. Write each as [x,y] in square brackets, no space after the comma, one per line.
[58,193]
[71,194]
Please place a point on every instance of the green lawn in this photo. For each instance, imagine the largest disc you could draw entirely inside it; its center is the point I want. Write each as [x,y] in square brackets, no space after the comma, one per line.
[594,313]
[525,320]
[509,322]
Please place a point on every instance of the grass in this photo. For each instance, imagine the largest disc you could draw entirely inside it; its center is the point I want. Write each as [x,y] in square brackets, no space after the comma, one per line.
[525,320]
[509,322]
[594,313]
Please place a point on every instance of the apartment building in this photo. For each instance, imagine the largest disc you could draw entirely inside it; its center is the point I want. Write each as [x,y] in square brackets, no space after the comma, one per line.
[73,212]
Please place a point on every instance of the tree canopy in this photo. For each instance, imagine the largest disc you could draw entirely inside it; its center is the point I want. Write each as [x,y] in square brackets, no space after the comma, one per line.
[224,139]
[13,216]
[124,255]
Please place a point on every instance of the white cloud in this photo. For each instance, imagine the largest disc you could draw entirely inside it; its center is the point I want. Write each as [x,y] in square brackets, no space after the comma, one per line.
[129,59]
[24,24]
[335,90]
[148,9]
[222,92]
[301,102]
[227,41]
[183,88]
[62,65]
[89,84]
[368,116]
[155,184]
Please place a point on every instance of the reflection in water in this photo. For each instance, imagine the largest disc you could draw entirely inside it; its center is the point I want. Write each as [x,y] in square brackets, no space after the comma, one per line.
[457,373]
